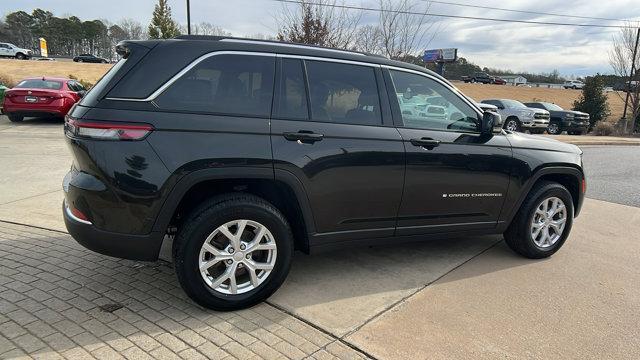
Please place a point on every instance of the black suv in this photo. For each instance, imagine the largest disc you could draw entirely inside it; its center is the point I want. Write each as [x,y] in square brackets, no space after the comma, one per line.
[571,121]
[241,151]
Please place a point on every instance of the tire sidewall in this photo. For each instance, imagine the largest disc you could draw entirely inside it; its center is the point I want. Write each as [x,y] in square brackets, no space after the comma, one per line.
[188,251]
[547,192]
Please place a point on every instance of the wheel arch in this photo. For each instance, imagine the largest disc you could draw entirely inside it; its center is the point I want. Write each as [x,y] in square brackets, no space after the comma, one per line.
[285,192]
[568,176]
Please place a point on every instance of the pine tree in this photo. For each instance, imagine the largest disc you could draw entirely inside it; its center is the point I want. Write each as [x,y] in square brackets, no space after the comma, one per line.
[593,100]
[162,25]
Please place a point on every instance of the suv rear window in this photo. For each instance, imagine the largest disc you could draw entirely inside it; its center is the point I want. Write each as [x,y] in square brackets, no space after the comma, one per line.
[343,93]
[224,84]
[39,84]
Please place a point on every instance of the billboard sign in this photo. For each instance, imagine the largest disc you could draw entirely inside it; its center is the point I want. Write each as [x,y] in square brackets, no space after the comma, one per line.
[440,55]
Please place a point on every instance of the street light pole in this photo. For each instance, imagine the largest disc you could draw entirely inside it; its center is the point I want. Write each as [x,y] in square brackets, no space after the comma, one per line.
[631,75]
[188,18]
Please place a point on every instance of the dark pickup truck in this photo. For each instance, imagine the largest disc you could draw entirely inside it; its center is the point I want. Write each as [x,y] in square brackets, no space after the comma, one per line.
[480,77]
[573,122]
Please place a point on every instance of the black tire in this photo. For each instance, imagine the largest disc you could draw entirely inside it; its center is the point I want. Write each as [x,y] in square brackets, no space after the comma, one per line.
[518,235]
[203,221]
[575,132]
[103,61]
[20,56]
[15,118]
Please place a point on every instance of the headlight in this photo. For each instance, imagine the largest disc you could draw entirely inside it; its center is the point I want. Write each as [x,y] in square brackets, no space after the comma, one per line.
[570,116]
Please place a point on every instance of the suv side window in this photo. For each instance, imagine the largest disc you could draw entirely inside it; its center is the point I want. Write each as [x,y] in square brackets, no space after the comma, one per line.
[343,93]
[427,104]
[293,93]
[224,84]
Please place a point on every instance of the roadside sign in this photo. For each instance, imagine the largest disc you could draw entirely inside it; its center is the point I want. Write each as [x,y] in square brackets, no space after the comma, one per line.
[43,48]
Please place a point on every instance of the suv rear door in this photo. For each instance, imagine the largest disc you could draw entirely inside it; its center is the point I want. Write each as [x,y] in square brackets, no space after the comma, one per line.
[332,131]
[456,179]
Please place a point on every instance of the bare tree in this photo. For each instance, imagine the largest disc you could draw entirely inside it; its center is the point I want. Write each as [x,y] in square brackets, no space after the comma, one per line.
[132,29]
[318,23]
[620,59]
[205,28]
[403,34]
[369,40]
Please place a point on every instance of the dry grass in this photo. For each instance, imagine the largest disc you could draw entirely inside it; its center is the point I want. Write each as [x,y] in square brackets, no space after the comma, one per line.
[562,97]
[17,70]
[20,69]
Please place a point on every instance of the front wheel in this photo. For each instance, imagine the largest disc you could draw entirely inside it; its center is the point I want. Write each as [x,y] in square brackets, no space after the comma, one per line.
[543,222]
[554,129]
[20,56]
[233,252]
[512,124]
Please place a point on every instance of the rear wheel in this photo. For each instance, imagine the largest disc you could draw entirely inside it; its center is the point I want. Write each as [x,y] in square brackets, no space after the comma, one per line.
[543,222]
[234,251]
[15,118]
[20,56]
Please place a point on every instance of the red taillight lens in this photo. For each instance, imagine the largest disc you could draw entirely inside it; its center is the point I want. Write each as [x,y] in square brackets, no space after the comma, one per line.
[584,186]
[79,214]
[106,130]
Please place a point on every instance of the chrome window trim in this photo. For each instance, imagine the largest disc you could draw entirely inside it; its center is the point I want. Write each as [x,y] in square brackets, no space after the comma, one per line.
[318,58]
[295,46]
[186,69]
[448,86]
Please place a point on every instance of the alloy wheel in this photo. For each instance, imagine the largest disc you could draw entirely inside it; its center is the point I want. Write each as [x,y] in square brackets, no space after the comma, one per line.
[512,125]
[237,257]
[553,129]
[548,222]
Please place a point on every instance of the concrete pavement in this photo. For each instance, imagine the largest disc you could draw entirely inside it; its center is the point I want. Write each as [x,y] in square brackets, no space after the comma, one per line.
[583,303]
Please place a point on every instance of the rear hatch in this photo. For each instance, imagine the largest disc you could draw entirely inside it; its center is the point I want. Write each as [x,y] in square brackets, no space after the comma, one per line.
[32,96]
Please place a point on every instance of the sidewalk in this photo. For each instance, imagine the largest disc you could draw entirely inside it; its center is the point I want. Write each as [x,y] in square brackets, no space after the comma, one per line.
[596,140]
[58,299]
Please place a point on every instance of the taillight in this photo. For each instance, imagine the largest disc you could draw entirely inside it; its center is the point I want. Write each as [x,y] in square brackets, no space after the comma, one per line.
[584,186]
[106,130]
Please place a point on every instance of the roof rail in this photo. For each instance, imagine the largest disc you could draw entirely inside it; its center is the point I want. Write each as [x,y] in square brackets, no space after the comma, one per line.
[271,42]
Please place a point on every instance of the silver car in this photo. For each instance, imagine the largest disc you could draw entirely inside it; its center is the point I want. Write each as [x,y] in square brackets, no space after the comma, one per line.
[518,117]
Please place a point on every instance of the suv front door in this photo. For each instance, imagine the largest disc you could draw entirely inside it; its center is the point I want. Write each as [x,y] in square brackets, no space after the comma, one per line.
[456,178]
[332,131]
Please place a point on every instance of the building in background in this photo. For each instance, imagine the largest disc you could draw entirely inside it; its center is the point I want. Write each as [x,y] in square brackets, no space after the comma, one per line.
[514,79]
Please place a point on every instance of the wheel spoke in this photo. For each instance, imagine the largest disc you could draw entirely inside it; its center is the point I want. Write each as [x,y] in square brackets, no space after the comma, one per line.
[259,266]
[206,265]
[215,251]
[252,275]
[558,225]
[223,277]
[233,285]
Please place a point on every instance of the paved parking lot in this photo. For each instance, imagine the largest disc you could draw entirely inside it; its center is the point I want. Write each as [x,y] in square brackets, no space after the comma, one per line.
[441,299]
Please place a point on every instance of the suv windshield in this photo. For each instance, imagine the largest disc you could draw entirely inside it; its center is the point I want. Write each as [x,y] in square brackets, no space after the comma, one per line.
[39,84]
[513,104]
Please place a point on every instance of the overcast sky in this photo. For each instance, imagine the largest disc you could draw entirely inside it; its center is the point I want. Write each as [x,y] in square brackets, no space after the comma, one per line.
[571,50]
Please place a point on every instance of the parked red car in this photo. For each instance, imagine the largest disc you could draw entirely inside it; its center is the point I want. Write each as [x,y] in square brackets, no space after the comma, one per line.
[498,81]
[44,96]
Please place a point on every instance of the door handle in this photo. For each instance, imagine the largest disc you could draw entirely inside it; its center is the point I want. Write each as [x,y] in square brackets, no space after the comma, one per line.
[427,143]
[303,136]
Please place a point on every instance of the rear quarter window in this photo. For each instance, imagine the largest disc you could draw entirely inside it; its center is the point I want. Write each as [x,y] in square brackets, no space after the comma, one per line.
[224,84]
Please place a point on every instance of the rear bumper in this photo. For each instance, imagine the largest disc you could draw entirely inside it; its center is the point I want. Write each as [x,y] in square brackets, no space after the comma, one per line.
[34,111]
[125,246]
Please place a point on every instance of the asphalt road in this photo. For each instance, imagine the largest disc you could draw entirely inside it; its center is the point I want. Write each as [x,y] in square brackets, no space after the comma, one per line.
[613,173]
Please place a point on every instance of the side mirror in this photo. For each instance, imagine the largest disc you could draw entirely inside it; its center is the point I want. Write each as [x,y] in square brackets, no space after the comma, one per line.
[82,93]
[491,122]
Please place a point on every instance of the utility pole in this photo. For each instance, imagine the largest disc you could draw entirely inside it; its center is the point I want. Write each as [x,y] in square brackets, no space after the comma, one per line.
[188,18]
[631,75]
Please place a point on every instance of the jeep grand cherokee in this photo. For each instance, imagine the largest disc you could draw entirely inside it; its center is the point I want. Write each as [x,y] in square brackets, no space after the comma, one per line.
[242,151]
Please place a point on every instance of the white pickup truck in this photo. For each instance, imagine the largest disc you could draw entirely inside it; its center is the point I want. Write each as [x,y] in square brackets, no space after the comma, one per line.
[10,50]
